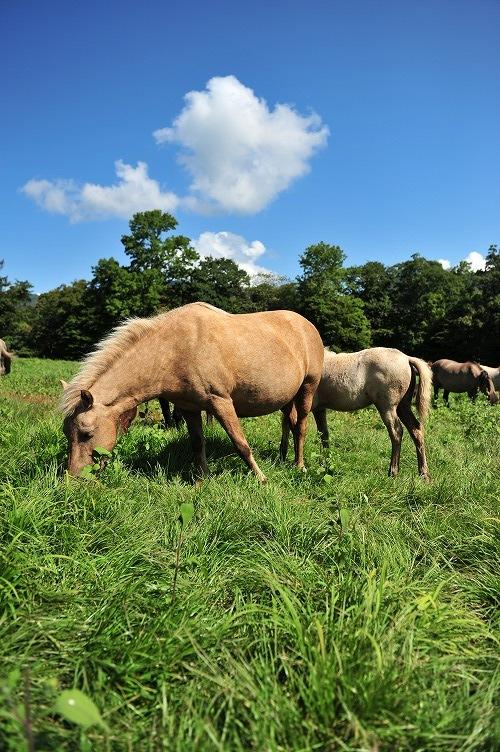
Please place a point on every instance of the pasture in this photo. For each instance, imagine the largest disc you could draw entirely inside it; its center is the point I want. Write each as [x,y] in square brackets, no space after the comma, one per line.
[333,610]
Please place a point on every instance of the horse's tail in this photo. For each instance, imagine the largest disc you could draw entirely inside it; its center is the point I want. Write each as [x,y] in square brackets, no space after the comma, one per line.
[6,357]
[423,397]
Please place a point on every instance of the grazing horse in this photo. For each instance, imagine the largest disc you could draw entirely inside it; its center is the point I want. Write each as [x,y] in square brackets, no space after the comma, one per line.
[199,358]
[462,377]
[379,376]
[5,359]
[494,374]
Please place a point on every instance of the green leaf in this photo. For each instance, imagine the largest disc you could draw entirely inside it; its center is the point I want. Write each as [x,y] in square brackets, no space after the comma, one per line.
[344,516]
[328,478]
[87,472]
[102,452]
[187,512]
[76,707]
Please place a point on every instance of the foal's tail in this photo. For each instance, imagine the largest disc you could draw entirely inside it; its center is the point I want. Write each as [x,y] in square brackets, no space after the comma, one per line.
[423,397]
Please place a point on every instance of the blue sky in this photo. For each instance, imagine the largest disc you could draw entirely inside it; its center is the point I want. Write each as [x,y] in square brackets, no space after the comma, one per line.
[372,125]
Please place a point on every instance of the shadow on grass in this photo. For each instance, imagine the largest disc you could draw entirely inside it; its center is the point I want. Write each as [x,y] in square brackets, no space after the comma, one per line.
[177,460]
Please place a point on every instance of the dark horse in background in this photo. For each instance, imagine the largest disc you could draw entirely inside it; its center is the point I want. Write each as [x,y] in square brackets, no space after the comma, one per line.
[462,377]
[5,359]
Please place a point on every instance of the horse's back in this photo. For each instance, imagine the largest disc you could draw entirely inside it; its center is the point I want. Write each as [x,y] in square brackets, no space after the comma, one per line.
[259,359]
[454,376]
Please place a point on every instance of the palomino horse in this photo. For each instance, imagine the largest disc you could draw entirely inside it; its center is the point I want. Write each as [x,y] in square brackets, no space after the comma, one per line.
[379,376]
[5,358]
[462,377]
[199,358]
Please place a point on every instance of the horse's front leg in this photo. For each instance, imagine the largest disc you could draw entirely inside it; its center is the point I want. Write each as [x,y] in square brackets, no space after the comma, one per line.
[195,430]
[223,409]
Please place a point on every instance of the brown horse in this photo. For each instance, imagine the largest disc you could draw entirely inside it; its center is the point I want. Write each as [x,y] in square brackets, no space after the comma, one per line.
[462,377]
[5,359]
[199,358]
[379,376]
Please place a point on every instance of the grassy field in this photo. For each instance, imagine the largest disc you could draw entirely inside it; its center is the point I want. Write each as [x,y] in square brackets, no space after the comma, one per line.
[337,610]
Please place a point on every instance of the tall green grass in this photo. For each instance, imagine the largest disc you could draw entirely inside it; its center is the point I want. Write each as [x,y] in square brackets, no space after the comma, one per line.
[336,610]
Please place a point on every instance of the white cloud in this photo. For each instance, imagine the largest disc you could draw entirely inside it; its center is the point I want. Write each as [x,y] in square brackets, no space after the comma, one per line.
[476,260]
[229,245]
[444,263]
[240,153]
[135,191]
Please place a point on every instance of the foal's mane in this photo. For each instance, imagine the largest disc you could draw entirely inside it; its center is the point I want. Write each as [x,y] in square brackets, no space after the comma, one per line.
[107,351]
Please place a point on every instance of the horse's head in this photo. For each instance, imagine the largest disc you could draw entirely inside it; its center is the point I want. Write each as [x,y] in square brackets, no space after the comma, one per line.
[486,385]
[93,425]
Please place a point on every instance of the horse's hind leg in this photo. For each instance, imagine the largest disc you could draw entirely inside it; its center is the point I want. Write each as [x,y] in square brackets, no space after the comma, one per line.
[395,431]
[303,403]
[288,423]
[223,410]
[195,430]
[322,425]
[416,432]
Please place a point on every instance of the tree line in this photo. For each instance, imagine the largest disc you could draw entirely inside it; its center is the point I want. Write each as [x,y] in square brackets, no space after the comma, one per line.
[416,306]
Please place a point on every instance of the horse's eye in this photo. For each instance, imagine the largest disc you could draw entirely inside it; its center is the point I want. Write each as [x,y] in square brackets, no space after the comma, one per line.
[84,435]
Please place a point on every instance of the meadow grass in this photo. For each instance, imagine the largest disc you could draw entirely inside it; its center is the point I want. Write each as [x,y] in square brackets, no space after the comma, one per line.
[333,610]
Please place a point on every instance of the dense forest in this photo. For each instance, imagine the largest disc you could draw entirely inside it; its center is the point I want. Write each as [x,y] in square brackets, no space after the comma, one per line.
[417,305]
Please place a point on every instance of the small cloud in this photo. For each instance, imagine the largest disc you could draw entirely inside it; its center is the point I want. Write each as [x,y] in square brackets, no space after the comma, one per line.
[240,153]
[135,191]
[444,263]
[476,260]
[229,245]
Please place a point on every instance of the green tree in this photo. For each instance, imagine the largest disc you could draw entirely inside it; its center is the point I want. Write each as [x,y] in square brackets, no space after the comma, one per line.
[16,304]
[373,284]
[222,283]
[150,247]
[64,323]
[324,298]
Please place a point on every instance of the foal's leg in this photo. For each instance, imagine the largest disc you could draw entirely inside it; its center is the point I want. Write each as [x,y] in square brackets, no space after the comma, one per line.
[303,403]
[195,430]
[322,425]
[416,431]
[223,410]
[446,397]
[395,431]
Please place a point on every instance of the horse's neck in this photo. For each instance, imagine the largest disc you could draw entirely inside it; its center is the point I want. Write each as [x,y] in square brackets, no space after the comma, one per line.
[142,373]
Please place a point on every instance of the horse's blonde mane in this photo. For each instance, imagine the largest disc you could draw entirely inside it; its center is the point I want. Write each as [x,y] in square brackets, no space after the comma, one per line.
[106,353]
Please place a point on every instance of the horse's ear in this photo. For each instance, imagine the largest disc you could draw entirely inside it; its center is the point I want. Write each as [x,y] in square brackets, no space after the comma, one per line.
[63,383]
[126,418]
[87,399]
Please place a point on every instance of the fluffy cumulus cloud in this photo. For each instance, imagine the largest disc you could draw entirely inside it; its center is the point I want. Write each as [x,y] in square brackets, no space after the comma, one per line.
[134,191]
[232,246]
[444,263]
[240,153]
[476,260]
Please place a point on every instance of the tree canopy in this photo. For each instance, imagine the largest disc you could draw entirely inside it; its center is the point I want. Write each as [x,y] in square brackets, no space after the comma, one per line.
[416,305]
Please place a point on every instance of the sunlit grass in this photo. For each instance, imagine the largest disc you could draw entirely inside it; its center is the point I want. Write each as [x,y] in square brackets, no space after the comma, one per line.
[292,628]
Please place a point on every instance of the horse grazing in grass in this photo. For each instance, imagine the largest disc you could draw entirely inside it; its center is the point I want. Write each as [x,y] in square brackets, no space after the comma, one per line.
[199,358]
[379,376]
[5,359]
[494,374]
[462,377]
